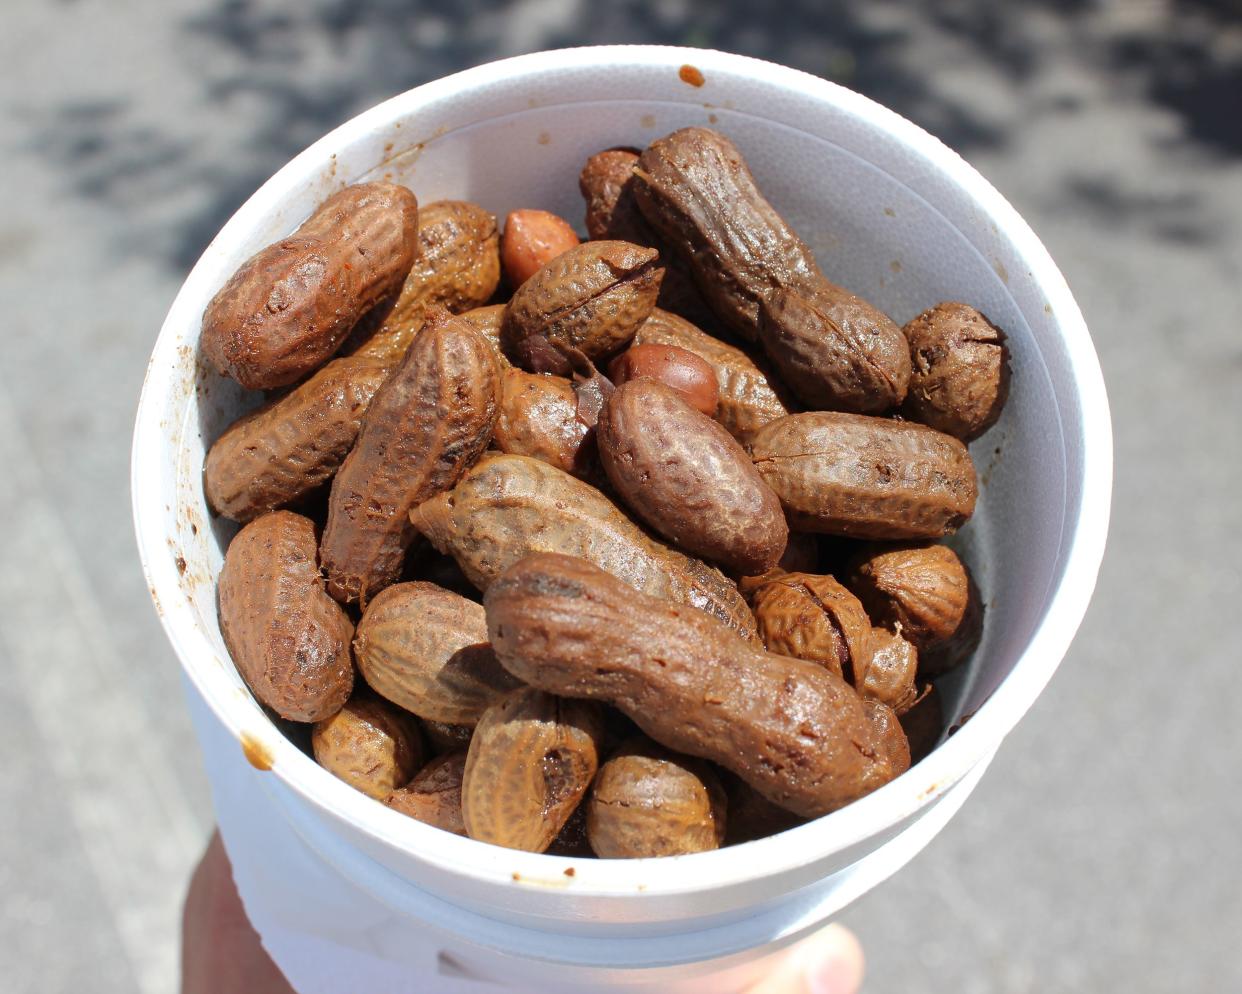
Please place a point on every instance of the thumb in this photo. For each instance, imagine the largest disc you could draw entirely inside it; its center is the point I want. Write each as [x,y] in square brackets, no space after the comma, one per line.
[829,962]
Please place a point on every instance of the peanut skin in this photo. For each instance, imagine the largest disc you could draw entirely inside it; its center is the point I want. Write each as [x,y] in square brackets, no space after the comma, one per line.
[427,424]
[865,477]
[833,348]
[532,239]
[289,639]
[508,507]
[289,447]
[289,307]
[425,649]
[792,730]
[371,745]
[687,478]
[458,268]
[747,398]
[591,298]
[531,760]
[677,368]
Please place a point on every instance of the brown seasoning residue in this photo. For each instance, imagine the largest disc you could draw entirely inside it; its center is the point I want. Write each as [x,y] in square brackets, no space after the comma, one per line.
[689,74]
[181,565]
[570,871]
[647,121]
[545,138]
[895,265]
[257,753]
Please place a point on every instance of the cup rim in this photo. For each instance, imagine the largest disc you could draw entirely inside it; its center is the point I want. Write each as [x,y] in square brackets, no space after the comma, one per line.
[863,819]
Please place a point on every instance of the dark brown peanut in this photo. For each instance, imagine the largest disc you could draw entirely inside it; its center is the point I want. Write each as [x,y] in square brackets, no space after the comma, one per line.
[532,239]
[371,745]
[689,479]
[434,795]
[920,590]
[458,268]
[747,400]
[427,424]
[539,418]
[761,280]
[675,367]
[531,760]
[960,378]
[591,298]
[793,730]
[888,676]
[425,649]
[864,477]
[647,801]
[815,618]
[289,447]
[289,639]
[833,349]
[509,507]
[288,308]
[607,184]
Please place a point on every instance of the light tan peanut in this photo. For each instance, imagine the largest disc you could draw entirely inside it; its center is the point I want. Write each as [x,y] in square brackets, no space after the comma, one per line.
[371,745]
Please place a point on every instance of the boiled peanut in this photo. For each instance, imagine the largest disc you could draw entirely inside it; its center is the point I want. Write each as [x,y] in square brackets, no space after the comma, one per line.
[289,307]
[647,801]
[371,745]
[864,477]
[531,760]
[539,417]
[675,367]
[747,398]
[286,449]
[888,675]
[433,796]
[429,421]
[814,618]
[919,589]
[532,239]
[289,639]
[688,478]
[793,730]
[960,377]
[761,280]
[508,507]
[591,298]
[458,268]
[425,649]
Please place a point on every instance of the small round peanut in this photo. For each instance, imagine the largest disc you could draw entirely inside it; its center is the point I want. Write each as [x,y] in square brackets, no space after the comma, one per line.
[532,239]
[370,744]
[680,369]
[434,795]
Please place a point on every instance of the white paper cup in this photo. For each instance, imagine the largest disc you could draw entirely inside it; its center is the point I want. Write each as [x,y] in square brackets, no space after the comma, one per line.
[893,215]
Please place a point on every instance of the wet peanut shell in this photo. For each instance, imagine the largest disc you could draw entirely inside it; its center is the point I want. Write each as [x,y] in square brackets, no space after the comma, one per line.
[960,378]
[834,350]
[747,397]
[696,191]
[539,418]
[509,507]
[458,268]
[531,760]
[287,448]
[793,730]
[425,649]
[433,796]
[889,675]
[814,618]
[689,479]
[961,645]
[288,638]
[647,801]
[922,587]
[865,477]
[290,306]
[607,185]
[427,424]
[371,745]
[887,728]
[591,298]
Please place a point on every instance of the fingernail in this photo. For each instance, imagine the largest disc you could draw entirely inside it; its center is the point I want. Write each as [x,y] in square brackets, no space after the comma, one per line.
[835,967]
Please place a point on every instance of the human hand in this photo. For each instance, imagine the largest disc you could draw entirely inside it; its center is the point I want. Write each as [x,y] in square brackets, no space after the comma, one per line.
[221,953]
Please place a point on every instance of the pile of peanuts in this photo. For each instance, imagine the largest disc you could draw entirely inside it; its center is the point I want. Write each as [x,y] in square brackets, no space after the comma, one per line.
[626,546]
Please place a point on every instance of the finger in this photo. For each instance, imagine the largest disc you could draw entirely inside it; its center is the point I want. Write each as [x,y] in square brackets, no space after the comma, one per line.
[829,962]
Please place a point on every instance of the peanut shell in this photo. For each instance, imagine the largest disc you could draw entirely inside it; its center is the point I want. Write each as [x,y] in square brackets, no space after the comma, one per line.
[371,745]
[433,796]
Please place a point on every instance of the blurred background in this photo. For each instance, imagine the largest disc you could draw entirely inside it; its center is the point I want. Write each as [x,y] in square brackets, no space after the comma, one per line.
[1101,851]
